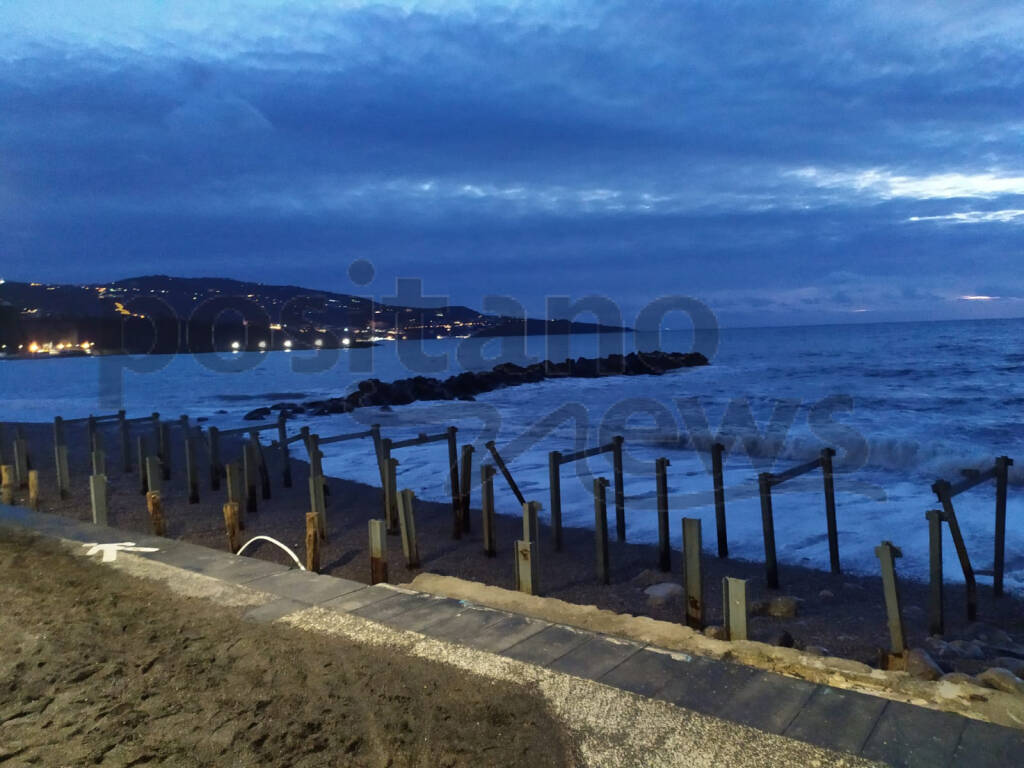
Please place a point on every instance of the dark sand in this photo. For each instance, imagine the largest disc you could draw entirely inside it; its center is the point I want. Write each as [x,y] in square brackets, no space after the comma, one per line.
[850,623]
[100,668]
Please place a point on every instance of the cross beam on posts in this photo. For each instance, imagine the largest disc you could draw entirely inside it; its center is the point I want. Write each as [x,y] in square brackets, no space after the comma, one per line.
[766,481]
[453,467]
[999,472]
[555,461]
[943,489]
[500,463]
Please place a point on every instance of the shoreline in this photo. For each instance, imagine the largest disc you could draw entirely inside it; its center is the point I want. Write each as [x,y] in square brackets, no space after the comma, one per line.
[842,614]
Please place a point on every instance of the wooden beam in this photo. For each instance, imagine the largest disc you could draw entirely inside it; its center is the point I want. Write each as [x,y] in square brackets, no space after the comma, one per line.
[830,509]
[717,449]
[661,486]
[936,619]
[692,580]
[601,529]
[487,507]
[734,608]
[407,522]
[378,552]
[620,493]
[771,564]
[555,483]
[98,498]
[500,462]
[1003,464]
[886,554]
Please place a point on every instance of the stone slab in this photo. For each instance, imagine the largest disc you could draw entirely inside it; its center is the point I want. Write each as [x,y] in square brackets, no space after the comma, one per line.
[465,625]
[837,719]
[306,587]
[914,737]
[765,701]
[646,672]
[274,610]
[548,645]
[595,658]
[983,745]
[414,614]
[507,632]
[357,599]
[703,684]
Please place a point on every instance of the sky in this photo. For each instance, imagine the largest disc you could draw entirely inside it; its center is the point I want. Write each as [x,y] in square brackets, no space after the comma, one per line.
[784,162]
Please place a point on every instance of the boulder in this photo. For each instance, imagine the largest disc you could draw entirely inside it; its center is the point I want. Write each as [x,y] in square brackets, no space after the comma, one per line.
[966,649]
[783,607]
[664,590]
[1013,664]
[716,632]
[826,594]
[959,678]
[1001,680]
[256,414]
[782,639]
[986,633]
[921,665]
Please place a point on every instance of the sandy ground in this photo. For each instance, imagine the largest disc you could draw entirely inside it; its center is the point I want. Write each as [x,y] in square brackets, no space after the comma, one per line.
[99,668]
[847,619]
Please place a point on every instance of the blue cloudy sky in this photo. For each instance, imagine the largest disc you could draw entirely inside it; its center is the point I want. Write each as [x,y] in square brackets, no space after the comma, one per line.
[786,162]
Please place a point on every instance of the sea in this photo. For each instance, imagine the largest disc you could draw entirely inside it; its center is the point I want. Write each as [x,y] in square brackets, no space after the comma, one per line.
[903,405]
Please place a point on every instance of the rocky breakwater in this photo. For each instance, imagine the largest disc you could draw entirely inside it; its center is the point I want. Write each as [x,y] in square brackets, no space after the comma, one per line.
[466,386]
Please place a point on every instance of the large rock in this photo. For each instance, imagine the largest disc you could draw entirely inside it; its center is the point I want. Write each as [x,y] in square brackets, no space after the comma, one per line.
[664,590]
[1013,664]
[1001,680]
[921,665]
[782,607]
[257,414]
[986,633]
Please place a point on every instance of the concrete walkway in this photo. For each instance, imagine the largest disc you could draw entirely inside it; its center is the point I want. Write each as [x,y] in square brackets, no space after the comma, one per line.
[847,722]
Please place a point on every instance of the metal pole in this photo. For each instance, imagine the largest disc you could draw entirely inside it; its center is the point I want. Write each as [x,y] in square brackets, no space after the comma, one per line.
[716,472]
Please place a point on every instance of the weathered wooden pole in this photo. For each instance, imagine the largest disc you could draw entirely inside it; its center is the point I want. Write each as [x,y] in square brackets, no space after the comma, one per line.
[154,483]
[316,460]
[527,551]
[312,542]
[216,468]
[466,478]
[620,493]
[60,456]
[1003,464]
[141,456]
[717,449]
[407,521]
[734,608]
[942,490]
[99,459]
[154,422]
[91,432]
[391,494]
[19,434]
[318,503]
[936,620]
[692,582]
[155,507]
[7,483]
[33,489]
[191,471]
[232,525]
[830,508]
[555,481]
[282,442]
[249,462]
[124,433]
[21,462]
[165,449]
[886,554]
[98,497]
[771,565]
[236,493]
[487,507]
[378,552]
[661,485]
[531,528]
[601,529]
[500,464]
[261,465]
[453,478]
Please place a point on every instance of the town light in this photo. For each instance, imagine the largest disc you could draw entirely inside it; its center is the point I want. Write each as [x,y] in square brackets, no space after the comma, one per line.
[287,343]
[318,343]
[235,345]
[346,341]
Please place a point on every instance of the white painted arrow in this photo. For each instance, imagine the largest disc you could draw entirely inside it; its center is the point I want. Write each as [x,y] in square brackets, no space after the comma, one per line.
[110,550]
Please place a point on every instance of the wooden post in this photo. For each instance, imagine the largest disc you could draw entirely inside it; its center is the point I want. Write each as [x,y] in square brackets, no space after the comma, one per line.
[165,449]
[407,520]
[124,433]
[190,469]
[249,470]
[312,542]
[261,465]
[91,431]
[886,554]
[555,481]
[378,552]
[717,449]
[99,460]
[734,608]
[936,622]
[391,495]
[941,489]
[487,507]
[21,461]
[235,492]
[500,463]
[231,524]
[692,581]
[466,479]
[316,460]
[771,565]
[830,508]
[601,529]
[98,497]
[531,530]
[661,484]
[453,478]
[61,458]
[141,456]
[155,506]
[153,475]
[318,503]
[282,442]
[19,434]
[1003,464]
[620,493]
[154,421]
[33,489]
[7,483]
[216,468]
[526,567]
